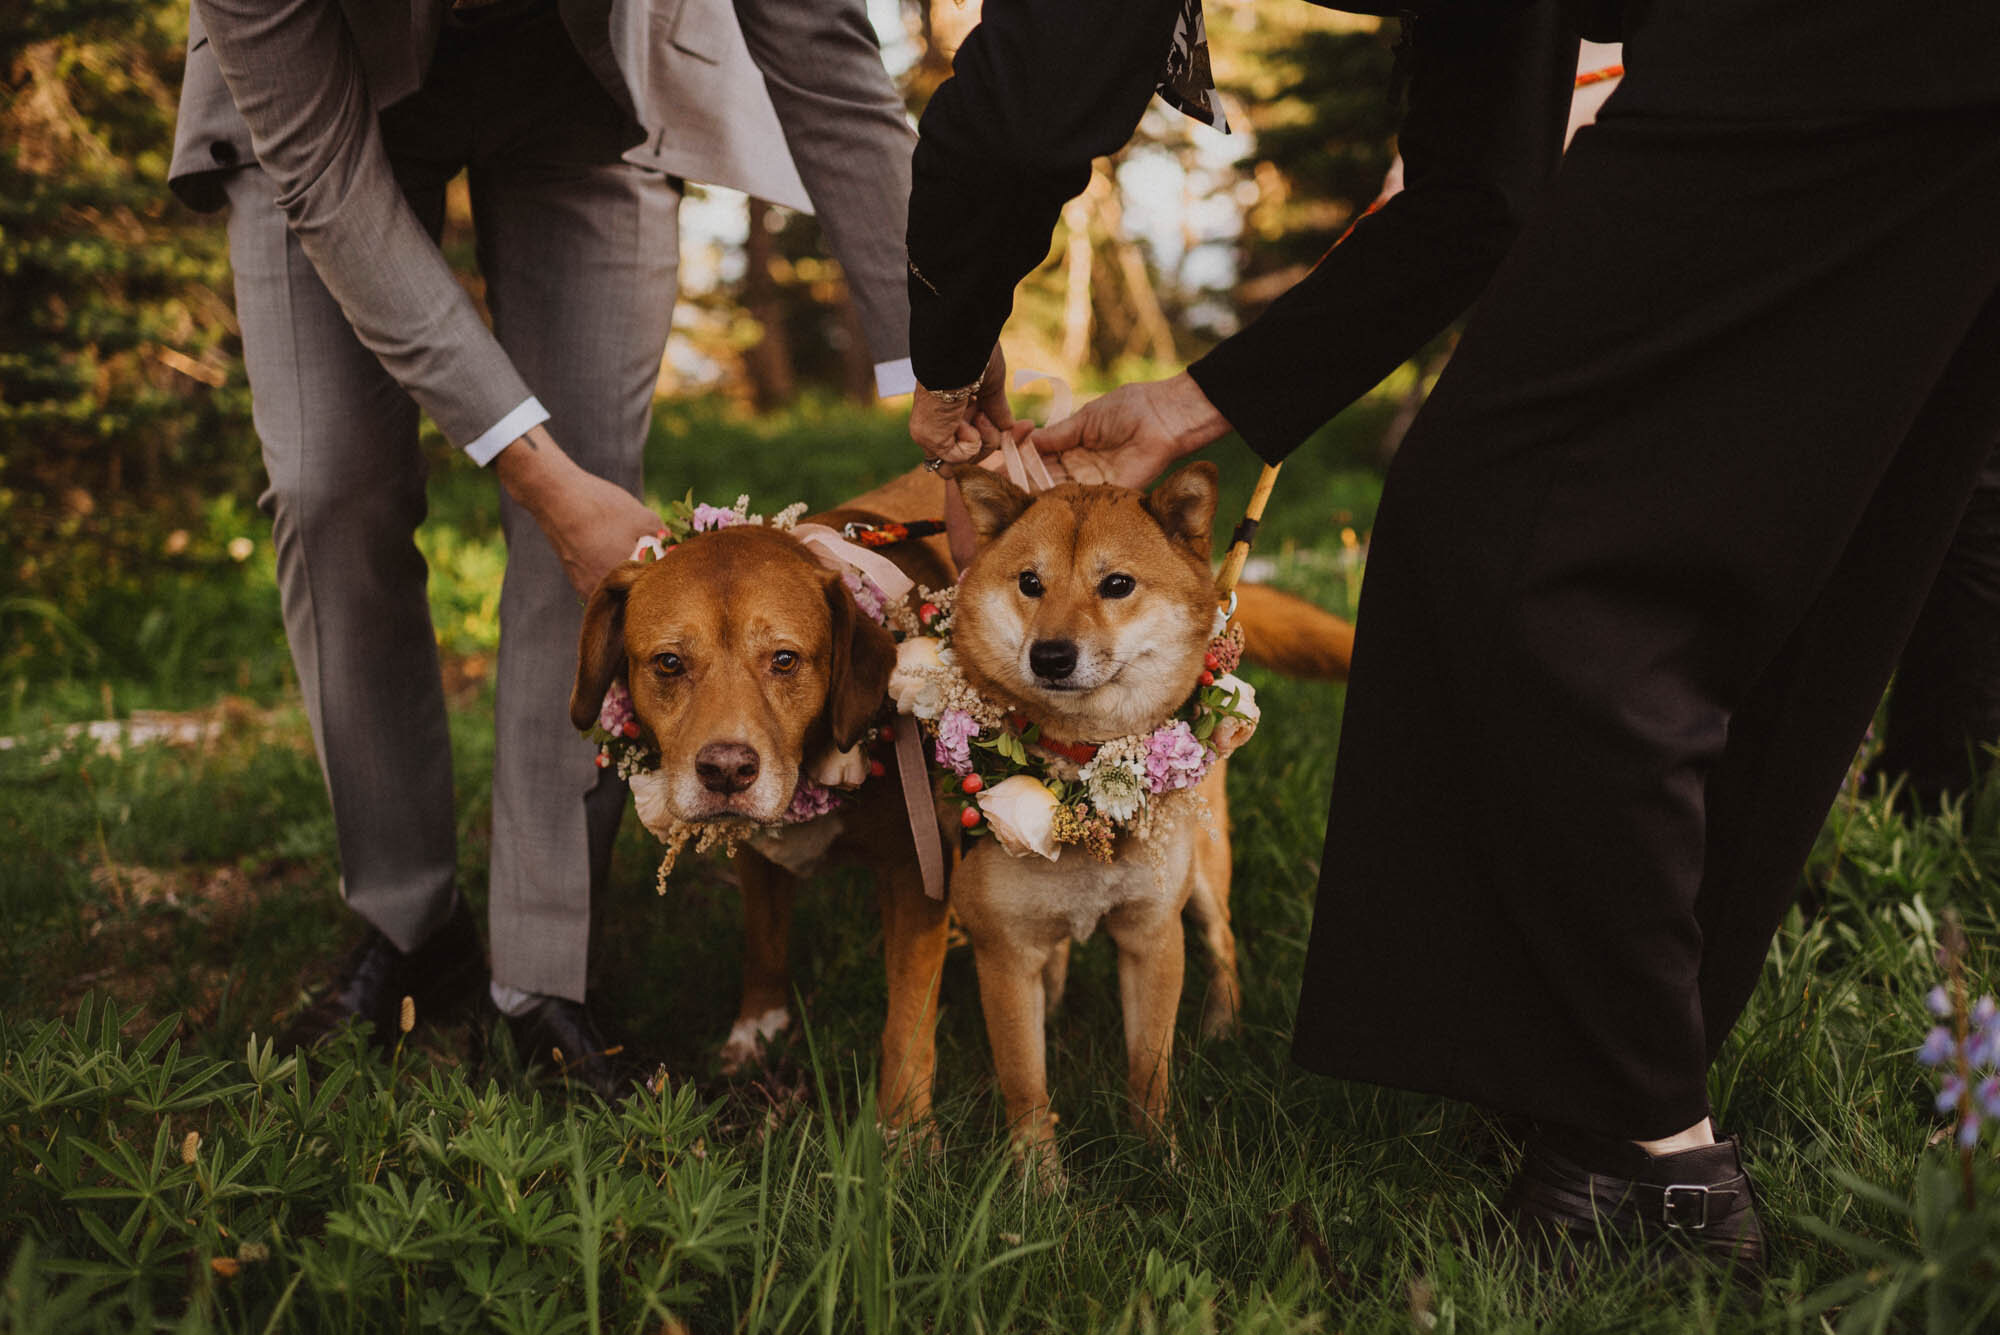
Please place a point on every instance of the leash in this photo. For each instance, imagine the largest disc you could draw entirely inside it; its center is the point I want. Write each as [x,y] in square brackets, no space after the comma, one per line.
[836,552]
[1244,536]
[888,533]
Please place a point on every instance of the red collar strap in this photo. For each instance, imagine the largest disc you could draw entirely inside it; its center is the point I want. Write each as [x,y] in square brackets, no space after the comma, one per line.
[1080,752]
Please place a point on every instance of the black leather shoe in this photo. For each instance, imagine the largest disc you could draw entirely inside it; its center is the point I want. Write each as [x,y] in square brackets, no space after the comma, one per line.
[442,978]
[559,1036]
[1624,1202]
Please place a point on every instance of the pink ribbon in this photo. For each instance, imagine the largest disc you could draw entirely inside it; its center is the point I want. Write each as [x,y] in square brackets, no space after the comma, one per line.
[837,553]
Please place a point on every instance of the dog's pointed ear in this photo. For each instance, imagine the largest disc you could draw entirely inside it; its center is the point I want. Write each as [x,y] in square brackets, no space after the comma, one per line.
[600,647]
[1185,504]
[858,667]
[992,501]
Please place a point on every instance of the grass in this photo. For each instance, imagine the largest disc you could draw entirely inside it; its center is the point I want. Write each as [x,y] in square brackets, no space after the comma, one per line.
[165,905]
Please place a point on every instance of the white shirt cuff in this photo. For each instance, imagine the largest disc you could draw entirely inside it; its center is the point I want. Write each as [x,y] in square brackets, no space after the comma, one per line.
[507,430]
[893,378]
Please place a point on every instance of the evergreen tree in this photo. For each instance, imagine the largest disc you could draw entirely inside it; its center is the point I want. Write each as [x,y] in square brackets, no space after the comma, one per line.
[121,401]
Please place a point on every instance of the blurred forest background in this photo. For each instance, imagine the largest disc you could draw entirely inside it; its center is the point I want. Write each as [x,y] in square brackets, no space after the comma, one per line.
[128,468]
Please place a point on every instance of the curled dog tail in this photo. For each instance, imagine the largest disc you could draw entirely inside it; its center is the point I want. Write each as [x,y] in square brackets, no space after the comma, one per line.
[1288,634]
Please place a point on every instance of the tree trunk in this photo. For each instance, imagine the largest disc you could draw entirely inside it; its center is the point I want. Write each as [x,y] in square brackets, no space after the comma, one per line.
[1151,320]
[1076,295]
[768,361]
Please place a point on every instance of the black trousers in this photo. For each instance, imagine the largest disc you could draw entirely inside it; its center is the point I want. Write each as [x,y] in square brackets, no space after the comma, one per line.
[1641,572]
[1944,710]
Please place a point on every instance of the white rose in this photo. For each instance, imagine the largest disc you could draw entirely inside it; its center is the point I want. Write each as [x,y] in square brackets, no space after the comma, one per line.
[911,684]
[839,769]
[1022,814]
[649,795]
[1231,733]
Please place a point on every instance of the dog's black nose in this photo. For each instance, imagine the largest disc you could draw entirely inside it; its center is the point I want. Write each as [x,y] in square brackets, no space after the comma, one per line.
[1052,659]
[725,767]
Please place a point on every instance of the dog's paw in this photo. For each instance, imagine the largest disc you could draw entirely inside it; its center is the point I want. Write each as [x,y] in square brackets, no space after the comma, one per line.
[1038,1157]
[913,1141]
[747,1037]
[1218,1017]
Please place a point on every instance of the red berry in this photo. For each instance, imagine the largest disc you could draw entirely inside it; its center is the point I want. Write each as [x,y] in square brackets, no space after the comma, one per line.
[603,761]
[887,732]
[876,769]
[927,611]
[969,817]
[1208,679]
[631,730]
[972,783]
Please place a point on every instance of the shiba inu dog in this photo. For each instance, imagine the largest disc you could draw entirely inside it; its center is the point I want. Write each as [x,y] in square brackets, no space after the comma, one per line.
[1088,611]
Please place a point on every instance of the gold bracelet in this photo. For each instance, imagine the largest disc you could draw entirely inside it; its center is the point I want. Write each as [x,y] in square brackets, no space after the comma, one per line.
[951,398]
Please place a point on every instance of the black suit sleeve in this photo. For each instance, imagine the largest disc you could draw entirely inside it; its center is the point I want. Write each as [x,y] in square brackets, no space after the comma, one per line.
[1039,89]
[1489,104]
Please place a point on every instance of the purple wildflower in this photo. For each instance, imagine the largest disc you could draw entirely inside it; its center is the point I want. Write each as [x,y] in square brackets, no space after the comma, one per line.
[1988,1095]
[1949,1090]
[1938,1002]
[955,731]
[708,517]
[1938,1047]
[1175,758]
[1968,1130]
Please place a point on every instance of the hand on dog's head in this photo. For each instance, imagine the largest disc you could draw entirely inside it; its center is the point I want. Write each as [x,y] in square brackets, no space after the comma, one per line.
[738,648]
[1183,505]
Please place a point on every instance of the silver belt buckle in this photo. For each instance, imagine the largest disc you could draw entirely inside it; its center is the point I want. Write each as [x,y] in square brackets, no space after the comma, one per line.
[1669,1210]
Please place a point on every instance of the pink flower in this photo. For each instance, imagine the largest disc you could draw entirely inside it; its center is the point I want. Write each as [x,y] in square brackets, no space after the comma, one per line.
[708,517]
[955,731]
[616,712]
[1174,758]
[867,596]
[809,802]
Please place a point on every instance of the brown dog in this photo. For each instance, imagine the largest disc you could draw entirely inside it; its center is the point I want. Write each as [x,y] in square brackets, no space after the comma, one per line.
[1088,611]
[746,660]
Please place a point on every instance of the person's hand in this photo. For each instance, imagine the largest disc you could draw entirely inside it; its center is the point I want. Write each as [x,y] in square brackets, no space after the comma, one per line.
[592,524]
[1128,437]
[961,432]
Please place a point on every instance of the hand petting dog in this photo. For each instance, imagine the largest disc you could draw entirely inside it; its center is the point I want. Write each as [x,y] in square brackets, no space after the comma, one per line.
[1130,435]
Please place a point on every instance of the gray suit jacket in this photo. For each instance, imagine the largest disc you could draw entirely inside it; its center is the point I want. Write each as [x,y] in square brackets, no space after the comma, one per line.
[296,86]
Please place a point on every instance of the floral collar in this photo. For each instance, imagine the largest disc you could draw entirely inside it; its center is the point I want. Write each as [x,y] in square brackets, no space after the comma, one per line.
[1037,794]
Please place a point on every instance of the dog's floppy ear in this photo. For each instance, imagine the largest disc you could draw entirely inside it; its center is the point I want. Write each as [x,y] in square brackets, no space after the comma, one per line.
[600,648]
[858,670]
[1185,505]
[992,501]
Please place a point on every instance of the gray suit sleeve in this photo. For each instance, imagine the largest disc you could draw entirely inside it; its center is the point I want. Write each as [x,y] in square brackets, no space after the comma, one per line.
[849,135]
[296,76]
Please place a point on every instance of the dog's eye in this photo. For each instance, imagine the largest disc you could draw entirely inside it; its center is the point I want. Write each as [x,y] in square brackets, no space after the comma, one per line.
[1117,586]
[1031,584]
[668,665]
[784,661]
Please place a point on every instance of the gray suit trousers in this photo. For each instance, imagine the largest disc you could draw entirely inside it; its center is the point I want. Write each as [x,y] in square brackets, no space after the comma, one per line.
[579,253]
